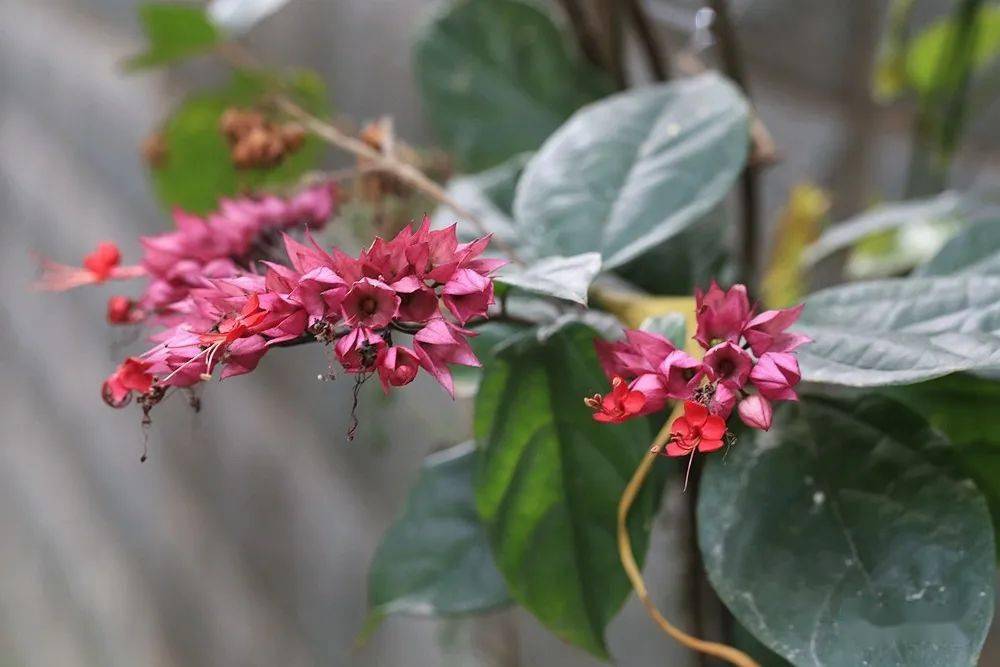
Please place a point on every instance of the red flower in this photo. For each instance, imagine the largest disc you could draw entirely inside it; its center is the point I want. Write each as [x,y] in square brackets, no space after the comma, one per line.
[696,429]
[397,366]
[618,405]
[132,375]
[103,260]
[122,310]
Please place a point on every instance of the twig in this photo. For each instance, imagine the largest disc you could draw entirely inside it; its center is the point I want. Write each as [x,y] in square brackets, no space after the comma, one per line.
[655,55]
[403,171]
[585,37]
[725,35]
[610,17]
[721,651]
[240,58]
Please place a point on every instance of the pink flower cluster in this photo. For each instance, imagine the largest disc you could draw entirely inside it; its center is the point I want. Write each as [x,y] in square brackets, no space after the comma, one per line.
[748,364]
[422,283]
[221,244]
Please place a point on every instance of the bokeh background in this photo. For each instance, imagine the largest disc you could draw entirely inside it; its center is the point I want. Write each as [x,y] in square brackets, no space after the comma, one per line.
[246,537]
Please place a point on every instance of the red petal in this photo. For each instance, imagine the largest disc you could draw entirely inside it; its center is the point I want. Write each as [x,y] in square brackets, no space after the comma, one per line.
[677,449]
[695,413]
[680,427]
[708,445]
[714,428]
[634,402]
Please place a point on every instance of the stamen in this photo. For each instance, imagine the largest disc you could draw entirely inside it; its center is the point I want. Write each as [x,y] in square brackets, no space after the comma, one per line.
[687,475]
[192,359]
[207,375]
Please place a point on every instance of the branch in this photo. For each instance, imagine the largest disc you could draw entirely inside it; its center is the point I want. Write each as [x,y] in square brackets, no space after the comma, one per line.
[655,56]
[239,58]
[585,37]
[725,35]
[721,651]
[609,15]
[405,172]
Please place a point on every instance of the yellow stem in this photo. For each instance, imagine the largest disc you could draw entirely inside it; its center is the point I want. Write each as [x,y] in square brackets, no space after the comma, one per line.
[721,651]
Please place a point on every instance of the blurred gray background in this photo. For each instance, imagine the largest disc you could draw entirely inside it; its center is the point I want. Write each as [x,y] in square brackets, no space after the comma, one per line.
[245,539]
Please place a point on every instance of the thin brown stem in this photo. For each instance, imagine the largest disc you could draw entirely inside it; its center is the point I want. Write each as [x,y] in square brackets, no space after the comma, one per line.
[610,16]
[656,57]
[721,651]
[729,51]
[378,161]
[585,37]
[240,58]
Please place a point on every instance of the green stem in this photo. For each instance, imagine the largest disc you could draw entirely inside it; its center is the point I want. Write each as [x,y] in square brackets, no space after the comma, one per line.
[943,108]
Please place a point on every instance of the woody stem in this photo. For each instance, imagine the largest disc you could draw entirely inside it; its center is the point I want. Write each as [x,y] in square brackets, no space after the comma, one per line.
[721,651]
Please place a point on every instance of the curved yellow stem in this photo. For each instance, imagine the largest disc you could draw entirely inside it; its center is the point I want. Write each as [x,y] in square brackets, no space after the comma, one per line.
[721,651]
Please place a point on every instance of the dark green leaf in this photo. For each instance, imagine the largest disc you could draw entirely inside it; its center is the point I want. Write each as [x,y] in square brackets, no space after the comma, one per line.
[566,278]
[975,250]
[964,408]
[901,331]
[690,259]
[629,172]
[489,336]
[497,77]
[198,168]
[435,559]
[174,31]
[842,537]
[549,482]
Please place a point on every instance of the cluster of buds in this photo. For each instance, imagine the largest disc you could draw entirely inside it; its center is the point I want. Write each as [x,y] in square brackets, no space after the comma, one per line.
[257,143]
[222,244]
[749,363]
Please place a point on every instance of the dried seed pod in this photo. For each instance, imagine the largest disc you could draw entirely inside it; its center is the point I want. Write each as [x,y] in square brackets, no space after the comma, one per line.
[294,135]
[236,123]
[154,150]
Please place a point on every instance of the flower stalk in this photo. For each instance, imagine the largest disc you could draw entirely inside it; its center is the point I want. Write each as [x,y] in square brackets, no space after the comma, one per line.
[722,651]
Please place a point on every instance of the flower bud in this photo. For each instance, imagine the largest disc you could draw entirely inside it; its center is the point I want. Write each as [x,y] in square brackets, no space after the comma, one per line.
[121,310]
[756,412]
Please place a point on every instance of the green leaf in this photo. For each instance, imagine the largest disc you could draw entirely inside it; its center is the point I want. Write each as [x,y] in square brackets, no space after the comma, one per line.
[924,55]
[435,559]
[198,168]
[944,207]
[841,538]
[489,336]
[497,77]
[671,326]
[565,278]
[694,257]
[901,331]
[488,195]
[963,407]
[627,173]
[975,250]
[175,31]
[549,482]
[238,16]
